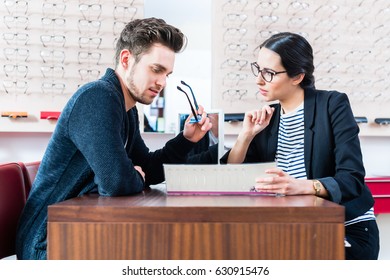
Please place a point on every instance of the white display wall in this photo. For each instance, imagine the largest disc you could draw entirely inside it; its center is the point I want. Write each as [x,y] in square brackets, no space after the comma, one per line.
[51,47]
[351,46]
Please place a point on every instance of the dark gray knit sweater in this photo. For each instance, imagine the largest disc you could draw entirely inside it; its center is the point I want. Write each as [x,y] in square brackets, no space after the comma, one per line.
[94,148]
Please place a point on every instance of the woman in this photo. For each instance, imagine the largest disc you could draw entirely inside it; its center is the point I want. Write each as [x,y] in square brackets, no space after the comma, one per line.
[313,136]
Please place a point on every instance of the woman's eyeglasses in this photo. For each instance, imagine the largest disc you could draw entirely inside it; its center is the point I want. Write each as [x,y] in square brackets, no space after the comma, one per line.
[266,74]
[196,118]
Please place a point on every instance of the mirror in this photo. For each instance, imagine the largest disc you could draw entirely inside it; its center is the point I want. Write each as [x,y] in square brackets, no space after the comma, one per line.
[193,65]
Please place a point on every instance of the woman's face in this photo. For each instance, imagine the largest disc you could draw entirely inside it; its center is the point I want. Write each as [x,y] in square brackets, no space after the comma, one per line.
[281,86]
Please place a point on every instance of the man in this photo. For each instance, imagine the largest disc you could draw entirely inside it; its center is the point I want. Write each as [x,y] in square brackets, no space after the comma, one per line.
[97,146]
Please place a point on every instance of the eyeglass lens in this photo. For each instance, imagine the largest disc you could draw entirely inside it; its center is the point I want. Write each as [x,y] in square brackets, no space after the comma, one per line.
[265,74]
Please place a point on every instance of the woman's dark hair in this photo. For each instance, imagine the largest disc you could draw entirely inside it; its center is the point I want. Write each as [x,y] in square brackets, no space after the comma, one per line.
[140,34]
[296,54]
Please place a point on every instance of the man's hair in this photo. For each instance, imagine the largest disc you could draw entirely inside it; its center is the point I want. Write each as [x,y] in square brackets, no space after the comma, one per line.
[140,34]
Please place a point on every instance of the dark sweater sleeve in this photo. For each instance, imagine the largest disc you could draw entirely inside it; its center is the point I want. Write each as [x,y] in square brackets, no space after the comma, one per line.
[174,151]
[96,128]
[209,156]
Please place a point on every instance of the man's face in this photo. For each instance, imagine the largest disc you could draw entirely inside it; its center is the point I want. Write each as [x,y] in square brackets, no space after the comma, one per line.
[147,78]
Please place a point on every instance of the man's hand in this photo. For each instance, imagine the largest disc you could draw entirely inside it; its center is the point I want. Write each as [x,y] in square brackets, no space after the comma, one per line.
[196,131]
[140,171]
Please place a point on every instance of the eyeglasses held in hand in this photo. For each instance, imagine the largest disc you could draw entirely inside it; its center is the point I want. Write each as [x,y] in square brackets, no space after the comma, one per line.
[266,74]
[196,118]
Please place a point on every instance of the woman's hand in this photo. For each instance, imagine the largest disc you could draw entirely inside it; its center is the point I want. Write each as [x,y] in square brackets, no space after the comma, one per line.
[283,184]
[255,121]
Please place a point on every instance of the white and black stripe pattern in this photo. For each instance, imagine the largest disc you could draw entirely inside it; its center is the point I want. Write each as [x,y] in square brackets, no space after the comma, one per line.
[369,215]
[290,150]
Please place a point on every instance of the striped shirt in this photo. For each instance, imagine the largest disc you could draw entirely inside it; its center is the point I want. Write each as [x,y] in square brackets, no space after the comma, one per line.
[290,152]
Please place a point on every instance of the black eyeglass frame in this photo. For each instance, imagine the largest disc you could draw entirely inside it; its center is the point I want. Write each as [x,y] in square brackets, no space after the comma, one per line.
[196,117]
[256,68]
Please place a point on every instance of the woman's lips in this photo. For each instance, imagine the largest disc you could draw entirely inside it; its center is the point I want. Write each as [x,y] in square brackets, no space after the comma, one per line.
[263,92]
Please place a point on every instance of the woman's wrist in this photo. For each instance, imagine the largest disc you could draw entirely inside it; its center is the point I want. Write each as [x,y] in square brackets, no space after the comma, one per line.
[245,136]
[317,187]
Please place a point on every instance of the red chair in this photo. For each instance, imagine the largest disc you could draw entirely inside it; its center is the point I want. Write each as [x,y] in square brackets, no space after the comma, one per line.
[12,201]
[30,170]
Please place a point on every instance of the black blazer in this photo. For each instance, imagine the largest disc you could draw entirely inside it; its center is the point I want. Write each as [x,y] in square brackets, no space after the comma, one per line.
[332,149]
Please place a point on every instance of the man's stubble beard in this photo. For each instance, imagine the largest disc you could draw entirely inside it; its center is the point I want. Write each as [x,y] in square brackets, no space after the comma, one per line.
[134,92]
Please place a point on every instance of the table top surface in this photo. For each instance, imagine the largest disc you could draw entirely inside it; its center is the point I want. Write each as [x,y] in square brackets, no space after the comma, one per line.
[154,204]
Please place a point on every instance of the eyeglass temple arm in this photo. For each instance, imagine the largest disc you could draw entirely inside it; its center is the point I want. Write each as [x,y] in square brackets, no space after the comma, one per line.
[193,95]
[192,108]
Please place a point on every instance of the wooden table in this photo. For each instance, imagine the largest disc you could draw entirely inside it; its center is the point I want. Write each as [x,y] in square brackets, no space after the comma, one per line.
[153,225]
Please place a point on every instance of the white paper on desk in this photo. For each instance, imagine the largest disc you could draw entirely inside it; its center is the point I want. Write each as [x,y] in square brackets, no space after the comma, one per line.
[213,178]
